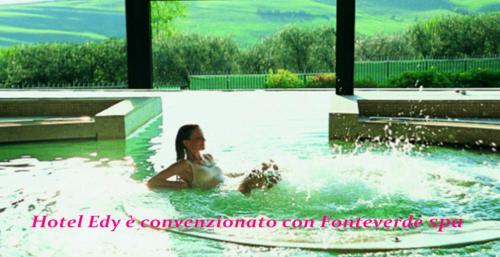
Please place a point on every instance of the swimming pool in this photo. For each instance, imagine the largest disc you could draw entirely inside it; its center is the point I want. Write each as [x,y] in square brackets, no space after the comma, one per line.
[66,179]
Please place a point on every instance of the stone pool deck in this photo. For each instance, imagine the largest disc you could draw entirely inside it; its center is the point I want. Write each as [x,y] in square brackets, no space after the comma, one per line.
[54,118]
[434,117]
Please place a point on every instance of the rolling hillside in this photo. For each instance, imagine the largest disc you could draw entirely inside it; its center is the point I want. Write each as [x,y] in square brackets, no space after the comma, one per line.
[246,20]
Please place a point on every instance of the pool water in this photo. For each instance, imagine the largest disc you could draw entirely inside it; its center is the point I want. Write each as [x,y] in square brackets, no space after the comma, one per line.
[66,179]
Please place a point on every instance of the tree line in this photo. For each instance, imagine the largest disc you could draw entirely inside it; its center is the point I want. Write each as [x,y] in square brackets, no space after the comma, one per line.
[297,49]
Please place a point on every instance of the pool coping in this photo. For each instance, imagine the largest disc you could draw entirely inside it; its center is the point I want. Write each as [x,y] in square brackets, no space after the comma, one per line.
[351,119]
[113,118]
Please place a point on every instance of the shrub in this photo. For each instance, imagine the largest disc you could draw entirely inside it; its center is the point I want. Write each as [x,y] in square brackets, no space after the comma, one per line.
[283,79]
[430,78]
[324,80]
[475,78]
[366,83]
[479,78]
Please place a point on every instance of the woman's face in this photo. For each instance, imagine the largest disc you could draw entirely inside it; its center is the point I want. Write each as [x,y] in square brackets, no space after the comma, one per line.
[196,142]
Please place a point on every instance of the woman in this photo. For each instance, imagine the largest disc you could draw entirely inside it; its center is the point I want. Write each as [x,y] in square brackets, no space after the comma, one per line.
[197,170]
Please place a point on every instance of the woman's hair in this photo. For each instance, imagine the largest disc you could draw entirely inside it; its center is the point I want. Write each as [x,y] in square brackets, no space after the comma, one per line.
[184,133]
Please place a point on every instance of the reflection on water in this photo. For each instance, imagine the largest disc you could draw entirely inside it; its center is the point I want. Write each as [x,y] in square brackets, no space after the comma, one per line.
[65,179]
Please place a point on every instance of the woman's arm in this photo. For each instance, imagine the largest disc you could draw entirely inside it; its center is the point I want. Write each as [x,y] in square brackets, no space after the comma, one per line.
[180,168]
[167,184]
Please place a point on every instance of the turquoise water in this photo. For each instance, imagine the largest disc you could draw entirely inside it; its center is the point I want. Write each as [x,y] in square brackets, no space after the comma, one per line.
[65,179]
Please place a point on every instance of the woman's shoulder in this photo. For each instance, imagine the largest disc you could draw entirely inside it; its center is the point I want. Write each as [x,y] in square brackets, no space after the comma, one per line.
[182,164]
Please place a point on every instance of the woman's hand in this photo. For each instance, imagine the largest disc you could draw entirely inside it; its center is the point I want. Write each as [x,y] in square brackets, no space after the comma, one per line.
[181,169]
[234,174]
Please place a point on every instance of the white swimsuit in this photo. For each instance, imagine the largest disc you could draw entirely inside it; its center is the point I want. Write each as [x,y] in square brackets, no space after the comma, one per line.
[207,174]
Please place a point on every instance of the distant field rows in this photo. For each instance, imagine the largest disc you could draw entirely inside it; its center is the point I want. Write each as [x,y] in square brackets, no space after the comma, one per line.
[475,4]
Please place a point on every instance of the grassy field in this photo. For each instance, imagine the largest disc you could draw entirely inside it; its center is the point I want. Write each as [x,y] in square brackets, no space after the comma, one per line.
[61,21]
[246,20]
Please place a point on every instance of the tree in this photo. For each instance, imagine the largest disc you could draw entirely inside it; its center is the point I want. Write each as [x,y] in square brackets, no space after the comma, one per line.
[176,57]
[381,46]
[162,15]
[261,57]
[296,44]
[293,48]
[323,48]
[457,35]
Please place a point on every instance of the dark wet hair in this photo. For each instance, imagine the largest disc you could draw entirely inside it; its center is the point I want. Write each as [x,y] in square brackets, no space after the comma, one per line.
[184,133]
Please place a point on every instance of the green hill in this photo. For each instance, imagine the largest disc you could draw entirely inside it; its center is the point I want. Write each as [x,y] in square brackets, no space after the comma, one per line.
[61,21]
[246,20]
